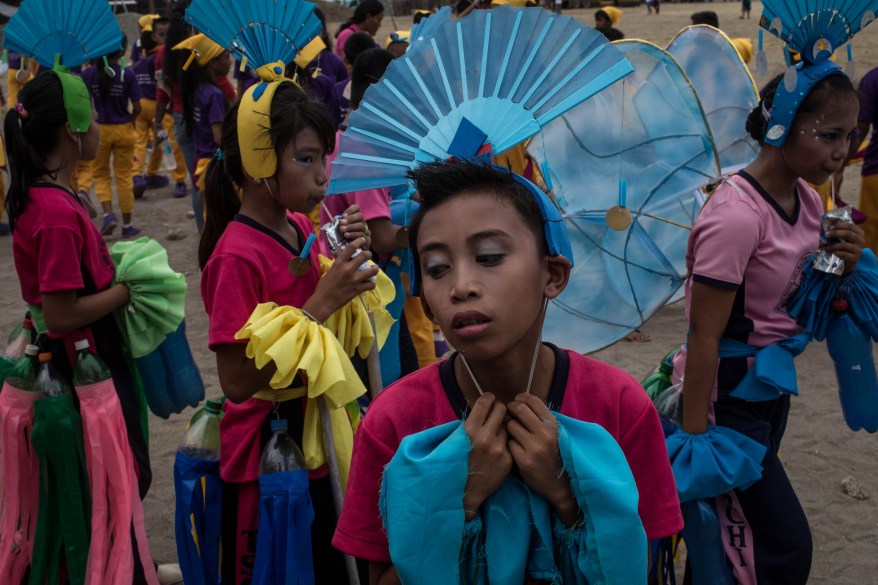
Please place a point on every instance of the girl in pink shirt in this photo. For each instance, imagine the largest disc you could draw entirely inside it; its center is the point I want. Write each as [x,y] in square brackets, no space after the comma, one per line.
[254,228]
[367,17]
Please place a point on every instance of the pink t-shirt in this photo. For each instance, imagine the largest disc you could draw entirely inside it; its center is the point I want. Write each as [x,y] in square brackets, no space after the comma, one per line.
[343,37]
[743,241]
[587,390]
[54,240]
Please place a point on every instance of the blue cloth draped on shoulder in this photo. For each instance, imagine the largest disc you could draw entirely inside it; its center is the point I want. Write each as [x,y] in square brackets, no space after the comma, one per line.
[199,509]
[811,307]
[774,370]
[718,461]
[283,545]
[430,543]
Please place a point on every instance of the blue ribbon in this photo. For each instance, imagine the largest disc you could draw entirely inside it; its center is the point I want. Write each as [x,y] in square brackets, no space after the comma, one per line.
[773,373]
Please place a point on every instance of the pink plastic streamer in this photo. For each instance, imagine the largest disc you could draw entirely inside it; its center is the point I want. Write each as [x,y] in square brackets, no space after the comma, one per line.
[20,482]
[116,505]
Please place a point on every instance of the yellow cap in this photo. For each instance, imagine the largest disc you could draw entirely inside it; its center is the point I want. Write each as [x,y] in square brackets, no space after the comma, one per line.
[514,3]
[613,13]
[145,22]
[744,47]
[400,36]
[203,49]
[421,11]
[309,52]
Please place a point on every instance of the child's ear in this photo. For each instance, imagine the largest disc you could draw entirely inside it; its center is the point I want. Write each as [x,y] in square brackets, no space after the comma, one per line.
[558,275]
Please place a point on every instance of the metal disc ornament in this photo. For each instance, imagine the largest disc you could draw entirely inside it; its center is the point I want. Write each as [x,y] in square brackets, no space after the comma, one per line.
[618,218]
[402,237]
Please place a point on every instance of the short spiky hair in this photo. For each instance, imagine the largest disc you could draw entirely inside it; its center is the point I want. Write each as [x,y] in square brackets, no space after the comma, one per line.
[437,182]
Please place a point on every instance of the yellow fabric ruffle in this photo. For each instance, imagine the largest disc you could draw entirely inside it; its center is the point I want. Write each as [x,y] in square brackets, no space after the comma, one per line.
[350,324]
[286,336]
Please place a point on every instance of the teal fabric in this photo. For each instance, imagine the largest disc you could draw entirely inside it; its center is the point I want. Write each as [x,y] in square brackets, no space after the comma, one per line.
[713,463]
[516,534]
[389,353]
[773,373]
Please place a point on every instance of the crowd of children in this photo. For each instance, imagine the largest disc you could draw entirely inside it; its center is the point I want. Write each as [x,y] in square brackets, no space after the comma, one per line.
[259,159]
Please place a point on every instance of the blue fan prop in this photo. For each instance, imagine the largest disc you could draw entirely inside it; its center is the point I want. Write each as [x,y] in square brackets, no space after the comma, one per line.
[724,87]
[428,26]
[816,26]
[649,130]
[509,71]
[77,30]
[261,31]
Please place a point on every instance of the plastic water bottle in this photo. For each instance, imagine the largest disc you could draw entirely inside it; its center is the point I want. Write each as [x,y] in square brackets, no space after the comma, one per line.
[209,406]
[281,453]
[851,350]
[88,368]
[48,381]
[24,373]
[169,163]
[202,439]
[183,380]
[17,345]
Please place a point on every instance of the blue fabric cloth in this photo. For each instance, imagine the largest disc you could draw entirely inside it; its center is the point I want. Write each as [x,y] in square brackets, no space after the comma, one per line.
[198,514]
[283,542]
[389,356]
[773,372]
[704,544]
[516,534]
[715,462]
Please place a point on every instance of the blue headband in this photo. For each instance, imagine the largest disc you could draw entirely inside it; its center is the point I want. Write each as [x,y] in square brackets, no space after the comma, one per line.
[786,103]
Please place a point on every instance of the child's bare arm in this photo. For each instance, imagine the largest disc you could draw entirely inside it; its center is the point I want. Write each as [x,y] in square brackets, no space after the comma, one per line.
[238,375]
[383,574]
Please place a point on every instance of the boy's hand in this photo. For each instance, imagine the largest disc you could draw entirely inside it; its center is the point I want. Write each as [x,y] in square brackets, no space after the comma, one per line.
[533,443]
[489,460]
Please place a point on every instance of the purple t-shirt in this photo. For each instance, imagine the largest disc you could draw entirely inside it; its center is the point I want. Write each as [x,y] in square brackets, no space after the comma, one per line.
[13,60]
[209,109]
[248,76]
[340,102]
[123,89]
[869,115]
[330,65]
[144,69]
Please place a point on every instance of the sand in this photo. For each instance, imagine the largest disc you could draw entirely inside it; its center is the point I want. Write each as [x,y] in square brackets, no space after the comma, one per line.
[819,451]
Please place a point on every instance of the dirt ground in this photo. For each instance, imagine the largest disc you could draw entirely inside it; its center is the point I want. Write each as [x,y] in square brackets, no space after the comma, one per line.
[819,451]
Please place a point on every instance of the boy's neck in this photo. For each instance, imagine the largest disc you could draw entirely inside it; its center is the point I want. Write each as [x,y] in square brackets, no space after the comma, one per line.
[506,376]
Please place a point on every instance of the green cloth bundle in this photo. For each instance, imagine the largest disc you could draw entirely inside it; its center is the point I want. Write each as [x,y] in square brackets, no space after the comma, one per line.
[158,294]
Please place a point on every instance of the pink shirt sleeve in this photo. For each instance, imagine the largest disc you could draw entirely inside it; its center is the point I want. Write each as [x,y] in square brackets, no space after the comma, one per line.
[723,241]
[374,203]
[230,293]
[58,251]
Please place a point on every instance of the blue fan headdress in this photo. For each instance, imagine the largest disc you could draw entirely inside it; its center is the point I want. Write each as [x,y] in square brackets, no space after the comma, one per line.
[814,29]
[265,35]
[60,34]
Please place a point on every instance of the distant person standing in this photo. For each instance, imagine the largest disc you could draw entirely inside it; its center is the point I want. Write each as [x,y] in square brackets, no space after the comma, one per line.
[367,18]
[745,9]
[653,5]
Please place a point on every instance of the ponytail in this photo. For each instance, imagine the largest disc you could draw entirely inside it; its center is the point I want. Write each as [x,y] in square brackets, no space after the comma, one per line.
[31,135]
[178,31]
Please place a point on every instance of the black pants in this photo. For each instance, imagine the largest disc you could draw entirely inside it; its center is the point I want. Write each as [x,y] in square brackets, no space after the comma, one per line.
[781,537]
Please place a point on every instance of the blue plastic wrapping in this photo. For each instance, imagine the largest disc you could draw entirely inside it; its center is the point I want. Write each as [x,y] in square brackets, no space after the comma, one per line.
[198,519]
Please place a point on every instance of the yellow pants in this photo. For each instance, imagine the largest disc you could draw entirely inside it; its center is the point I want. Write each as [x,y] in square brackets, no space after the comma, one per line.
[420,327]
[825,192]
[144,126]
[83,178]
[117,142]
[14,86]
[869,206]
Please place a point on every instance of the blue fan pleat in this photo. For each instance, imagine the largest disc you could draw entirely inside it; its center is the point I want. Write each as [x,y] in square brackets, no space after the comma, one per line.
[78,31]
[263,31]
[509,71]
[803,23]
[428,26]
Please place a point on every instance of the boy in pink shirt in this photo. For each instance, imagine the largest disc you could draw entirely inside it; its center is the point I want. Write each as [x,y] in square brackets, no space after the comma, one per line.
[488,263]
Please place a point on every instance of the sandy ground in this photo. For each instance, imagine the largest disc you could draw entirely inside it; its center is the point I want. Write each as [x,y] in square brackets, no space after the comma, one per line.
[819,451]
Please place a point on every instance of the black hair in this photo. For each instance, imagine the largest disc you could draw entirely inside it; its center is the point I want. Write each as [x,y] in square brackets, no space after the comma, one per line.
[832,87]
[357,44]
[324,34]
[368,69]
[192,77]
[461,6]
[364,10]
[419,16]
[437,182]
[178,31]
[147,45]
[105,82]
[613,34]
[32,137]
[706,17]
[291,112]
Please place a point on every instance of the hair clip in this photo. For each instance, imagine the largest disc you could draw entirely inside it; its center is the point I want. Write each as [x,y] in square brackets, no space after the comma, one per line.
[766,113]
[22,112]
[218,155]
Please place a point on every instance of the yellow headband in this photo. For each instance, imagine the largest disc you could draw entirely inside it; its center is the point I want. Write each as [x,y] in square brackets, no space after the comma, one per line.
[309,52]
[203,50]
[515,3]
[613,13]
[744,48]
[254,122]
[400,36]
[145,22]
[421,11]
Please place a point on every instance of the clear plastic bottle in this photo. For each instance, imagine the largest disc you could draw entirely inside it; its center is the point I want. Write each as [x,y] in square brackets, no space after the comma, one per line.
[281,453]
[88,368]
[169,163]
[48,381]
[209,406]
[15,348]
[24,373]
[202,439]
